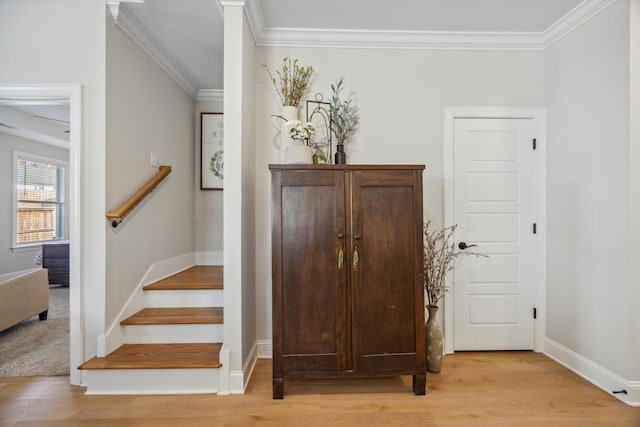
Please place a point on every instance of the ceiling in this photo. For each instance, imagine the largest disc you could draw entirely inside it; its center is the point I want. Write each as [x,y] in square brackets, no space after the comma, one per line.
[42,120]
[186,37]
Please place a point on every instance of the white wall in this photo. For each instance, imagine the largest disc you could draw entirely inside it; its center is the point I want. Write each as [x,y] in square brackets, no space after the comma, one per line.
[63,42]
[249,212]
[401,95]
[23,259]
[208,203]
[146,112]
[587,76]
[239,196]
[634,191]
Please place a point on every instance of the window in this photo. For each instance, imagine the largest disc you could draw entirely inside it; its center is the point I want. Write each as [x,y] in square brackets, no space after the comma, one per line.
[40,199]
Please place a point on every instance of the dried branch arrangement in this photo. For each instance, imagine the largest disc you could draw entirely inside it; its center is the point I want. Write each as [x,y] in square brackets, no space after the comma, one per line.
[291,81]
[439,256]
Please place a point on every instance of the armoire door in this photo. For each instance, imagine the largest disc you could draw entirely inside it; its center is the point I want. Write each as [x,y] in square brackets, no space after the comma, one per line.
[310,274]
[386,262]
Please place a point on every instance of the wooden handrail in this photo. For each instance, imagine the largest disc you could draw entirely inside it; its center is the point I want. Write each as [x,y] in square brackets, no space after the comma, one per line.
[117,215]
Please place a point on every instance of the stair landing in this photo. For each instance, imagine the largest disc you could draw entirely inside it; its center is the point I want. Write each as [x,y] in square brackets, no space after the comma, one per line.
[197,277]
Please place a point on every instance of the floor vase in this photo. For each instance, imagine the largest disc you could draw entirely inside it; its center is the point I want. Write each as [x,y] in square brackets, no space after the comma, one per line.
[433,341]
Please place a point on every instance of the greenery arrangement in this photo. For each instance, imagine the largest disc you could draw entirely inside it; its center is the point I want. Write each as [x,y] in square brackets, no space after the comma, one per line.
[299,130]
[343,113]
[439,255]
[291,81]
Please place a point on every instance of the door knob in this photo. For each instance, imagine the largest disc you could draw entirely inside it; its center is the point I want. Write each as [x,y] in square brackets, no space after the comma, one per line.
[463,245]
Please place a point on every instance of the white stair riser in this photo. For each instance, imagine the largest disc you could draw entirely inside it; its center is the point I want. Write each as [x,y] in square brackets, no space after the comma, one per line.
[173,334]
[186,298]
[152,381]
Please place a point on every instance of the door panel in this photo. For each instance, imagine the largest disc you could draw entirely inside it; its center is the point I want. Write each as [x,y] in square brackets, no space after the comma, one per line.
[493,207]
[384,278]
[313,317]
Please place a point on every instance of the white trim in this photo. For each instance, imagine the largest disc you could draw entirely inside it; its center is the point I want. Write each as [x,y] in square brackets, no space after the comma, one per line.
[115,335]
[114,7]
[224,359]
[72,93]
[111,382]
[248,367]
[265,349]
[323,37]
[594,373]
[572,20]
[136,32]
[255,18]
[236,382]
[17,154]
[539,123]
[210,95]
[303,37]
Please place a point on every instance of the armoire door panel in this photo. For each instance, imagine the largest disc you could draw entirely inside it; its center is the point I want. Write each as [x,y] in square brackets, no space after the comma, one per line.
[313,285]
[384,222]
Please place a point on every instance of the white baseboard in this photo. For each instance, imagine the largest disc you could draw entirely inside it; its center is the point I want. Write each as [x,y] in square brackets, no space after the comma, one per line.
[224,357]
[249,366]
[235,382]
[594,373]
[114,337]
[265,349]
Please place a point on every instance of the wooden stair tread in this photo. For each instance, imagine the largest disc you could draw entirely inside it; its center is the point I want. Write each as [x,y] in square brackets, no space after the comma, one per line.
[197,277]
[159,356]
[176,316]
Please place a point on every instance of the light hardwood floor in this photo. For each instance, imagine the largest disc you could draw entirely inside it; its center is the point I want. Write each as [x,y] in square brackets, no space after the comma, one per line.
[474,389]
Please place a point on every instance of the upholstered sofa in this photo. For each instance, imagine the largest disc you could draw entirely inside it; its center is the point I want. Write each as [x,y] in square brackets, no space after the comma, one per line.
[23,297]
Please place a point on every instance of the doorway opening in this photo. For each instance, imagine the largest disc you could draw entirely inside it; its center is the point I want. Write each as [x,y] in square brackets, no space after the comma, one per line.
[44,107]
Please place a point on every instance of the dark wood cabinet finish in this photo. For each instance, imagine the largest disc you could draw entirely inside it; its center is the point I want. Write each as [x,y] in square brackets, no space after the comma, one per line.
[55,258]
[348,298]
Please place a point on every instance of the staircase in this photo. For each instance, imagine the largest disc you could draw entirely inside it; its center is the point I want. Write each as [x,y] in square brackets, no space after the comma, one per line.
[172,346]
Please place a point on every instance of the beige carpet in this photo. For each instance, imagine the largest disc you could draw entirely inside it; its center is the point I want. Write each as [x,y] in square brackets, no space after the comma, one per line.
[35,347]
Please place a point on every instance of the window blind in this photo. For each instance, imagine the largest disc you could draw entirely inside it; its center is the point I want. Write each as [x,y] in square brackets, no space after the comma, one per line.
[40,201]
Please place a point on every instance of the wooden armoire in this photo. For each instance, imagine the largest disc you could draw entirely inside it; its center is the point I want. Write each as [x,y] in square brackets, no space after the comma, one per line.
[348,294]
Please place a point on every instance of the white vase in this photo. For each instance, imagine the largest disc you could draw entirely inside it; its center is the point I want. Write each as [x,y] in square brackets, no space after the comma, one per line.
[298,153]
[289,113]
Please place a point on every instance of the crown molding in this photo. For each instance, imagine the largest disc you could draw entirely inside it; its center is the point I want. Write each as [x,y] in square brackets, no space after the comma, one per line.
[134,30]
[399,39]
[573,19]
[239,3]
[114,7]
[265,36]
[254,14]
[210,95]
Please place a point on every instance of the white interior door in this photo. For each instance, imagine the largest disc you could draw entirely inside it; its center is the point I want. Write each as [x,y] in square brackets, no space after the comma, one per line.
[494,204]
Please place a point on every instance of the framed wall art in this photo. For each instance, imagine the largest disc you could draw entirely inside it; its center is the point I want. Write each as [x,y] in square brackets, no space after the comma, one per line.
[211,151]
